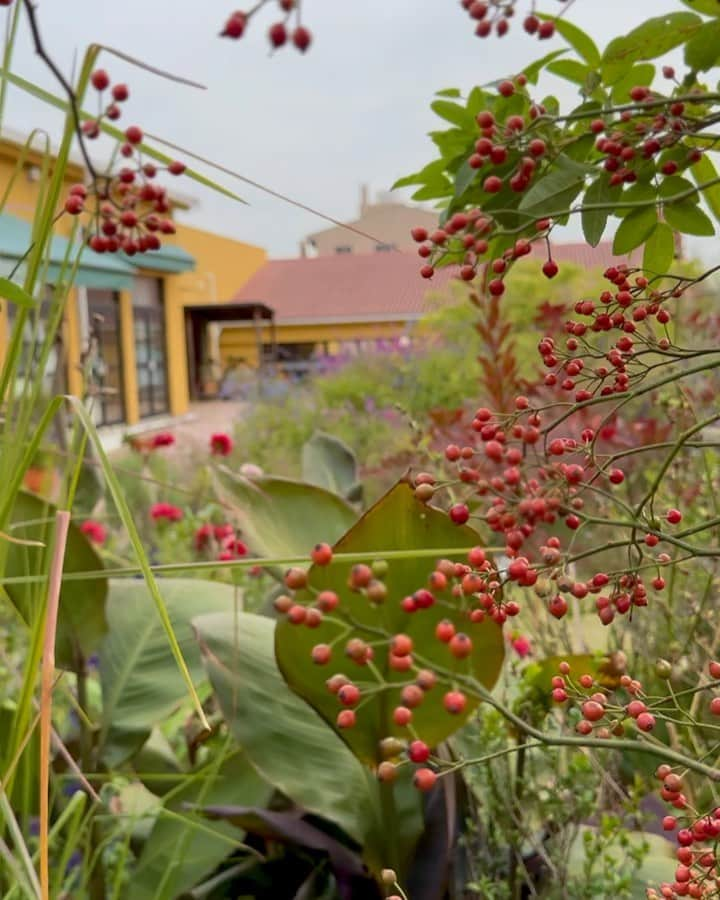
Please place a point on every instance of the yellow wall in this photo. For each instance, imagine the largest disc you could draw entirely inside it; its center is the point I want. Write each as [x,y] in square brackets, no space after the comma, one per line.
[240,342]
[223,267]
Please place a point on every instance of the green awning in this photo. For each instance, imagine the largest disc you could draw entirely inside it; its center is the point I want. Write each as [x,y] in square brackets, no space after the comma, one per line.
[97,270]
[169,258]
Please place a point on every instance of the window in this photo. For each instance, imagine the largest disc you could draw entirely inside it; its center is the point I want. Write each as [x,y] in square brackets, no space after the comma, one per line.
[106,374]
[35,333]
[385,248]
[150,351]
[343,248]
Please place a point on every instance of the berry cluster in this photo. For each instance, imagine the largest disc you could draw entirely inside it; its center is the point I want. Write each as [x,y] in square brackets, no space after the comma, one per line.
[220,542]
[494,15]
[129,209]
[279,33]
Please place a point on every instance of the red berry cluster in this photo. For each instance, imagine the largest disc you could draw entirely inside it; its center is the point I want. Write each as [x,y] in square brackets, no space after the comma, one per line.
[279,32]
[129,209]
[494,15]
[603,715]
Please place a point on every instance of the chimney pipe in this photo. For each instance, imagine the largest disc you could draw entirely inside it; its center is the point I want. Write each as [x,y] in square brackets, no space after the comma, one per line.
[364,199]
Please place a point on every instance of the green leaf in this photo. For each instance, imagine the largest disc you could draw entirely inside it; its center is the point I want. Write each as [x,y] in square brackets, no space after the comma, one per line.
[81,617]
[549,195]
[570,70]
[398,521]
[448,92]
[532,71]
[580,41]
[595,220]
[705,7]
[184,846]
[13,293]
[688,218]
[285,739]
[634,229]
[704,171]
[141,683]
[477,101]
[464,178]
[454,113]
[431,173]
[329,463]
[674,185]
[653,38]
[703,50]
[659,250]
[641,74]
[281,517]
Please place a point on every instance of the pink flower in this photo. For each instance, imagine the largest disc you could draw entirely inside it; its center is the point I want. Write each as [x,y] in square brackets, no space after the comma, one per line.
[163,439]
[203,536]
[166,511]
[94,531]
[521,645]
[221,444]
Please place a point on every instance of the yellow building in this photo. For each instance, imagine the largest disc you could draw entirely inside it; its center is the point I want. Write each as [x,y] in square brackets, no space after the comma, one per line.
[140,309]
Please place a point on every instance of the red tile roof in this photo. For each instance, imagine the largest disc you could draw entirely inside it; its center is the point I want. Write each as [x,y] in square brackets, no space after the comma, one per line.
[370,287]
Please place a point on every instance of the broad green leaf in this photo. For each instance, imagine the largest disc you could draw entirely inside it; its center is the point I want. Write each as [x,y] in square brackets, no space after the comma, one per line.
[285,739]
[641,74]
[477,101]
[580,41]
[14,294]
[549,194]
[454,113]
[674,185]
[659,250]
[329,463]
[653,38]
[464,178]
[657,866]
[449,92]
[398,521]
[595,220]
[532,71]
[703,50]
[705,7]
[431,173]
[140,680]
[688,218]
[634,229]
[704,171]
[570,70]
[81,619]
[281,517]
[184,846]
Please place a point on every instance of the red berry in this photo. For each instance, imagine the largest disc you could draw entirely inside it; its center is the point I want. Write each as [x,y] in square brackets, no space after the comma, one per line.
[531,24]
[550,268]
[645,721]
[674,516]
[235,26]
[295,578]
[455,702]
[277,34]
[74,204]
[424,779]
[714,669]
[419,234]
[616,476]
[546,30]
[506,88]
[120,93]
[302,38]
[592,711]
[100,79]
[412,695]
[459,514]
[321,554]
[467,273]
[460,645]
[345,718]
[639,93]
[176,168]
[321,654]
[715,706]
[133,134]
[537,147]
[427,271]
[349,695]
[496,287]
[419,752]
[445,630]
[492,184]
[402,716]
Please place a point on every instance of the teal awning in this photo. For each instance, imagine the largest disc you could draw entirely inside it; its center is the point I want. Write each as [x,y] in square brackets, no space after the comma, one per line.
[98,270]
[169,258]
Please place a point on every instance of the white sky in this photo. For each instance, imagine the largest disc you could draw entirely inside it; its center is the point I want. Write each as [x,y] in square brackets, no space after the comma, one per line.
[354,109]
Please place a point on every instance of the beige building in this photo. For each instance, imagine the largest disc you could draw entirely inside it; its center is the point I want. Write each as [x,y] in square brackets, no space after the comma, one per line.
[381,227]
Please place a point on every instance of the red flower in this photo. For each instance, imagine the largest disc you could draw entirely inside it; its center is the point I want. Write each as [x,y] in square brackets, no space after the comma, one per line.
[222,532]
[225,555]
[94,531]
[163,439]
[166,511]
[203,536]
[221,444]
[239,548]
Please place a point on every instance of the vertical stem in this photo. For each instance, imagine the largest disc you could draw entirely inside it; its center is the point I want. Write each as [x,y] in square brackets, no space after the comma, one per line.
[515,884]
[62,523]
[390,824]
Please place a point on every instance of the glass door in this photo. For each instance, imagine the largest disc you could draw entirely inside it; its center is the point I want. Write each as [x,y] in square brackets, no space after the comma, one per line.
[106,371]
[150,352]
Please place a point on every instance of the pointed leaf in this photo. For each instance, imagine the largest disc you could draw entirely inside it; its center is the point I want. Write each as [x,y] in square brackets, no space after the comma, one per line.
[551,192]
[140,680]
[704,171]
[532,71]
[281,517]
[580,41]
[634,229]
[329,463]
[14,294]
[702,51]
[454,113]
[595,220]
[398,521]
[688,219]
[659,250]
[653,38]
[285,739]
[570,70]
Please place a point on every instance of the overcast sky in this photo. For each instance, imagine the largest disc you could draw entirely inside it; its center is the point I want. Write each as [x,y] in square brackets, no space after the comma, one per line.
[354,109]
